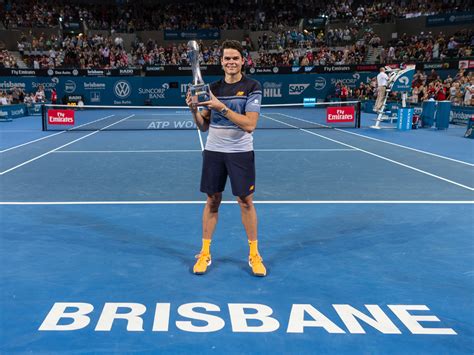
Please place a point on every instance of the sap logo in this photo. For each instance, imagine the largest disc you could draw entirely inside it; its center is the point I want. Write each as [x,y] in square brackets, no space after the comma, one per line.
[320,83]
[295,69]
[240,93]
[69,86]
[297,89]
[404,80]
[122,89]
[272,89]
[308,69]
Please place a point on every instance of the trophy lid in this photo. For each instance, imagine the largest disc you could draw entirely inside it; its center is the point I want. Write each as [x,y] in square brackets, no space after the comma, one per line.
[193,46]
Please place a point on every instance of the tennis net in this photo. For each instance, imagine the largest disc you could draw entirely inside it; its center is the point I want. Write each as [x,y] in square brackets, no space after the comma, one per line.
[344,114]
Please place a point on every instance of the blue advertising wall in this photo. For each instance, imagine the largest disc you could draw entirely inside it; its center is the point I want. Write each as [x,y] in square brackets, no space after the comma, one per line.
[166,91]
[171,90]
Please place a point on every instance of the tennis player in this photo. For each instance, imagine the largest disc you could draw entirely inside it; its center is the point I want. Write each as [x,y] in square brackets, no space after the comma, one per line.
[230,116]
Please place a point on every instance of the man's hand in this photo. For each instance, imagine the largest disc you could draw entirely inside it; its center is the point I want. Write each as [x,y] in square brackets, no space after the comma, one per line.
[213,103]
[189,101]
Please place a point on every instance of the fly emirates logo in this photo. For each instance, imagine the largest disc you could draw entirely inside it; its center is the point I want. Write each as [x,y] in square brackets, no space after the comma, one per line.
[200,317]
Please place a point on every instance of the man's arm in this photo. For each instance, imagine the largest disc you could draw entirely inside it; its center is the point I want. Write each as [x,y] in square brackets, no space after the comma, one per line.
[202,119]
[247,122]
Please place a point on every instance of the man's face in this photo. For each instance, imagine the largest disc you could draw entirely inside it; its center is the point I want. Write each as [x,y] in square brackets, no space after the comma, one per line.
[232,61]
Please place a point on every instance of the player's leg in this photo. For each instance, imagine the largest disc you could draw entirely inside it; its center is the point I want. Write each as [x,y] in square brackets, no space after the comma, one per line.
[213,179]
[241,169]
[249,220]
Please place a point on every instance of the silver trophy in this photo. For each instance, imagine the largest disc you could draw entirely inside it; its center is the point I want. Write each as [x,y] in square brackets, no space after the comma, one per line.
[200,92]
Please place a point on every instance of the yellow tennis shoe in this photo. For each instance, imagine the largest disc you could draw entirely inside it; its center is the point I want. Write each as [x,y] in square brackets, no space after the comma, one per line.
[256,263]
[204,260]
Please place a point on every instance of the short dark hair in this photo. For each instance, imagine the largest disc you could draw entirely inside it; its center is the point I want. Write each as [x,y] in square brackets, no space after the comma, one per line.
[233,44]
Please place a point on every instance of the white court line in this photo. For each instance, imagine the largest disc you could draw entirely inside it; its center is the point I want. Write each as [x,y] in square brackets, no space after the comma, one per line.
[200,139]
[199,150]
[64,145]
[382,141]
[131,151]
[55,134]
[378,156]
[276,202]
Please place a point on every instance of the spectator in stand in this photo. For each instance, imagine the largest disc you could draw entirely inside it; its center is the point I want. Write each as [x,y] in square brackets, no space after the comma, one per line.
[54,96]
[433,76]
[4,99]
[15,95]
[40,95]
[440,91]
[344,92]
[469,93]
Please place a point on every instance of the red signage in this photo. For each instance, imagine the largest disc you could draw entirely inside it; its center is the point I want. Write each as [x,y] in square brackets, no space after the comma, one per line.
[340,114]
[61,117]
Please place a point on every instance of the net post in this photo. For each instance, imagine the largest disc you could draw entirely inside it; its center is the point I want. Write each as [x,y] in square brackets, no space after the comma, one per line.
[43,117]
[358,114]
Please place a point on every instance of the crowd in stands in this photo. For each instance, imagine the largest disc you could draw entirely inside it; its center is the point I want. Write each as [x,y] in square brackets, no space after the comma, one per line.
[230,14]
[80,51]
[7,60]
[427,47]
[361,13]
[287,48]
[299,48]
[459,90]
[143,15]
[16,95]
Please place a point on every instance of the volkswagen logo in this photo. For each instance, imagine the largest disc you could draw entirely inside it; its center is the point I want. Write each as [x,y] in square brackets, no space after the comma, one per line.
[122,89]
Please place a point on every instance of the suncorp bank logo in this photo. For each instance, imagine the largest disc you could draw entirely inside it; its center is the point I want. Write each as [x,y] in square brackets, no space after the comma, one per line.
[46,84]
[272,89]
[155,93]
[297,89]
[122,89]
[319,83]
[351,82]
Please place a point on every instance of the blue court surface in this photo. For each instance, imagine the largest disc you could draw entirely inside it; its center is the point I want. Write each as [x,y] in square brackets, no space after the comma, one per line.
[367,236]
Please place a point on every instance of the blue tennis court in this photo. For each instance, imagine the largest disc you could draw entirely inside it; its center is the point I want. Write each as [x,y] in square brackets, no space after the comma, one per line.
[367,236]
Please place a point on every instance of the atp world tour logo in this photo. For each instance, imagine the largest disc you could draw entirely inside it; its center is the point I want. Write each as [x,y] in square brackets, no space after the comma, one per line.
[122,89]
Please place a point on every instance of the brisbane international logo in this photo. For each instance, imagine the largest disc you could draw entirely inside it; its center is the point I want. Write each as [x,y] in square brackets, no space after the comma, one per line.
[122,89]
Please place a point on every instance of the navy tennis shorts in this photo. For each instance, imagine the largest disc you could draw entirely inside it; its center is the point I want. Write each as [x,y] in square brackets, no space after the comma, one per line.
[240,167]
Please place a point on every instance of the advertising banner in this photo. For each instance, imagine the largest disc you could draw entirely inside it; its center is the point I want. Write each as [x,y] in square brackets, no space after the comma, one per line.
[192,34]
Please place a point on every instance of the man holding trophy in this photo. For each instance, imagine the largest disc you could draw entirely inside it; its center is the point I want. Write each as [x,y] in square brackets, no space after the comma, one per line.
[230,110]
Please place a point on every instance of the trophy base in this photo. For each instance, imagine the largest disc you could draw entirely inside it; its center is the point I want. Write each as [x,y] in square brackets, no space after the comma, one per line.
[200,93]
